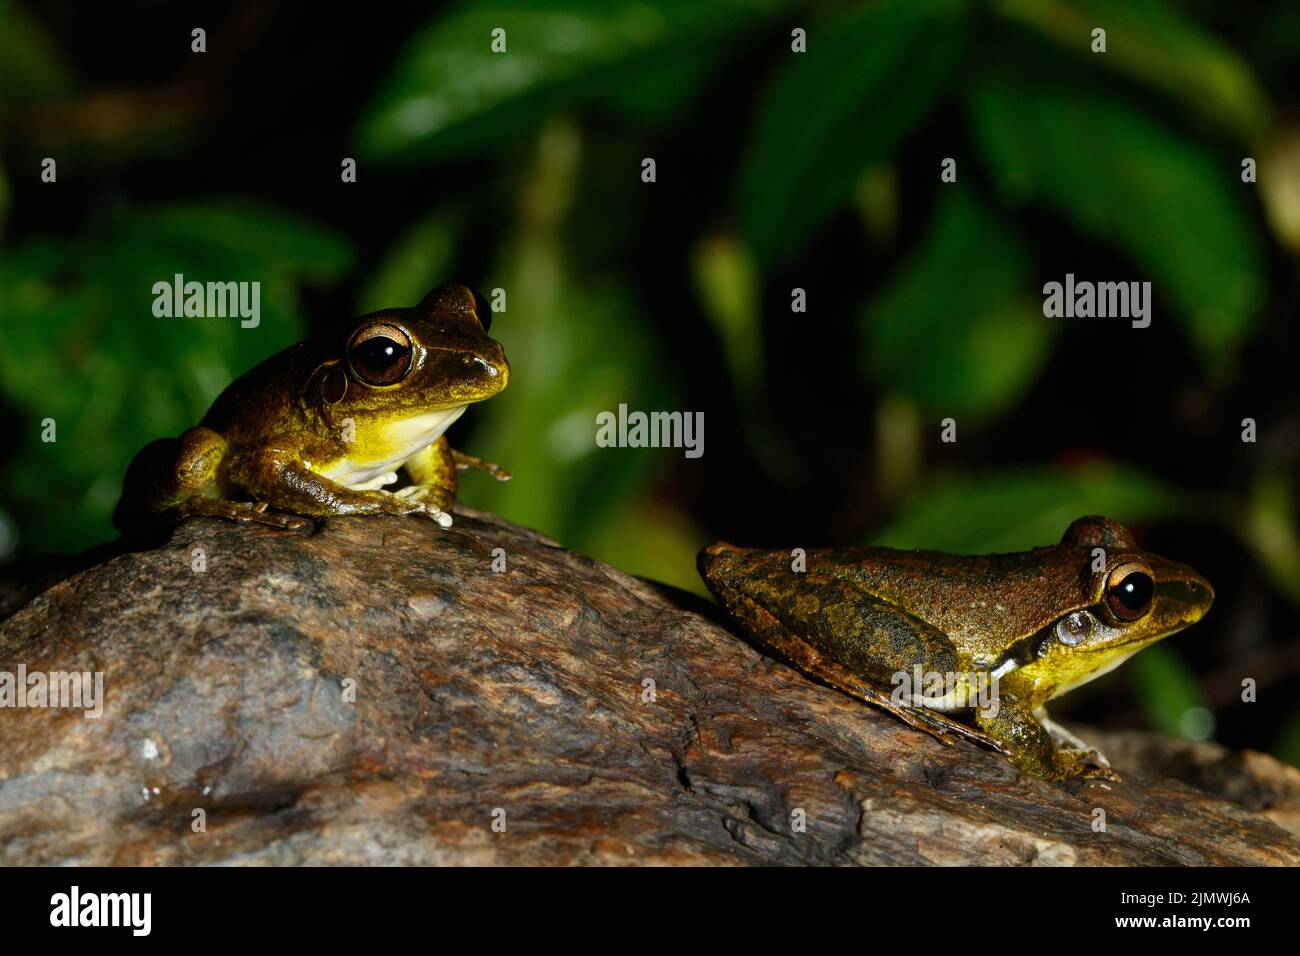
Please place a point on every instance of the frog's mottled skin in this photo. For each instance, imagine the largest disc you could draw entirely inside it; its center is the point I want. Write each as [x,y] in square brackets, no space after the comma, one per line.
[857,616]
[316,430]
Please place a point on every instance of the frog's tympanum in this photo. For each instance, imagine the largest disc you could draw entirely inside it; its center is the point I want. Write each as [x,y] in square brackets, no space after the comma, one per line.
[1032,625]
[322,427]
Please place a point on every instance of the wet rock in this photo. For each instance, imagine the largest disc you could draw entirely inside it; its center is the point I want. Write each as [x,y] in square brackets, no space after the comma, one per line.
[373,691]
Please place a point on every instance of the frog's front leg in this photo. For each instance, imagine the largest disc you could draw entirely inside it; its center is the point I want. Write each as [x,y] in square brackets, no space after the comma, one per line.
[1030,746]
[433,476]
[273,471]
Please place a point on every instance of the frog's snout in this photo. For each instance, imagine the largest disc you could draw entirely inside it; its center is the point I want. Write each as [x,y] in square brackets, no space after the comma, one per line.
[489,367]
[483,365]
[1202,593]
[1189,593]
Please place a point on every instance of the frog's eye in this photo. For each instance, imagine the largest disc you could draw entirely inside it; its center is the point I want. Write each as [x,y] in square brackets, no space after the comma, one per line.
[1074,628]
[380,354]
[1129,591]
[483,311]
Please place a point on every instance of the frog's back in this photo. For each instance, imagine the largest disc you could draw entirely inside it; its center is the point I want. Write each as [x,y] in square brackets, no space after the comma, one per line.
[961,594]
[909,606]
[267,395]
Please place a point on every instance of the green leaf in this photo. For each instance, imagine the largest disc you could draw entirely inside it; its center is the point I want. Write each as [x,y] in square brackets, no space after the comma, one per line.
[1287,746]
[6,197]
[244,236]
[450,94]
[727,285]
[1021,509]
[650,540]
[661,90]
[866,80]
[1170,695]
[1116,173]
[1269,529]
[1156,43]
[417,262]
[973,265]
[32,68]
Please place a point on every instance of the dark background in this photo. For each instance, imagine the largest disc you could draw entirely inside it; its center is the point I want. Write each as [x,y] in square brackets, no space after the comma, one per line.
[775,170]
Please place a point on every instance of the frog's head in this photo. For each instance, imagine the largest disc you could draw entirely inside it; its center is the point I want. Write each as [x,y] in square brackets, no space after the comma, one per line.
[399,363]
[1127,601]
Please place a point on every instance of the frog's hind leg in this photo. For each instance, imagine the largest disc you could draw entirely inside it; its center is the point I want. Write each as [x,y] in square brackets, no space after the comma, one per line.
[166,473]
[805,657]
[932,722]
[464,462]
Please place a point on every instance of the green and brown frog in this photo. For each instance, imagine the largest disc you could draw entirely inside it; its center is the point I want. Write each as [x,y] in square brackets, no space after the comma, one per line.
[1034,625]
[323,426]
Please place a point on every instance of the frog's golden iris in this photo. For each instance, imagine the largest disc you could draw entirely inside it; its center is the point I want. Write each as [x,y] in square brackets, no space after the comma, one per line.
[322,427]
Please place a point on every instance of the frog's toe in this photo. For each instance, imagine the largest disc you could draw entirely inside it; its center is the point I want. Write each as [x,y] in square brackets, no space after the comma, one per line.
[259,515]
[435,514]
[1101,773]
[1096,756]
[1088,763]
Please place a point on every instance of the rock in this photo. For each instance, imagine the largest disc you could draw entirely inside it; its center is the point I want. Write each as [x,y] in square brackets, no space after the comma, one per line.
[520,697]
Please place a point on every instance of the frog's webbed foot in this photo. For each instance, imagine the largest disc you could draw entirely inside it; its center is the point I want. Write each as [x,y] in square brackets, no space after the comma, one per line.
[464,462]
[1087,763]
[244,512]
[429,501]
[1034,743]
[1069,742]
[435,502]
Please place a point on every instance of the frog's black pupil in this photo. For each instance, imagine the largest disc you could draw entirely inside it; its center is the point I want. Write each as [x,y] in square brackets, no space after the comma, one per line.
[378,354]
[1135,591]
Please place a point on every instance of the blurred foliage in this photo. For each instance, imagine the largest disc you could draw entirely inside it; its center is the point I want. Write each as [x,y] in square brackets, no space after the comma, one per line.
[451,93]
[973,265]
[824,118]
[1022,509]
[521,171]
[1057,144]
[74,315]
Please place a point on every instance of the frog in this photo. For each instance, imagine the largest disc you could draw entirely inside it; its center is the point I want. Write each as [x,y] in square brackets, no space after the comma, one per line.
[1031,626]
[322,427]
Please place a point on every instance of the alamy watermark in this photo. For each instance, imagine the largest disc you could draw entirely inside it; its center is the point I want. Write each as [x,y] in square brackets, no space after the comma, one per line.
[946,690]
[651,430]
[213,300]
[56,690]
[1098,300]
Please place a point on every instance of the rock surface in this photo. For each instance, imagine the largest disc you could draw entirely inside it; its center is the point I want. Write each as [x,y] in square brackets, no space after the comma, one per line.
[519,697]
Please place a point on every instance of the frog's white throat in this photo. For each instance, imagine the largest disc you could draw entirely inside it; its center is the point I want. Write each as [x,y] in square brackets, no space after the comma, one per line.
[404,438]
